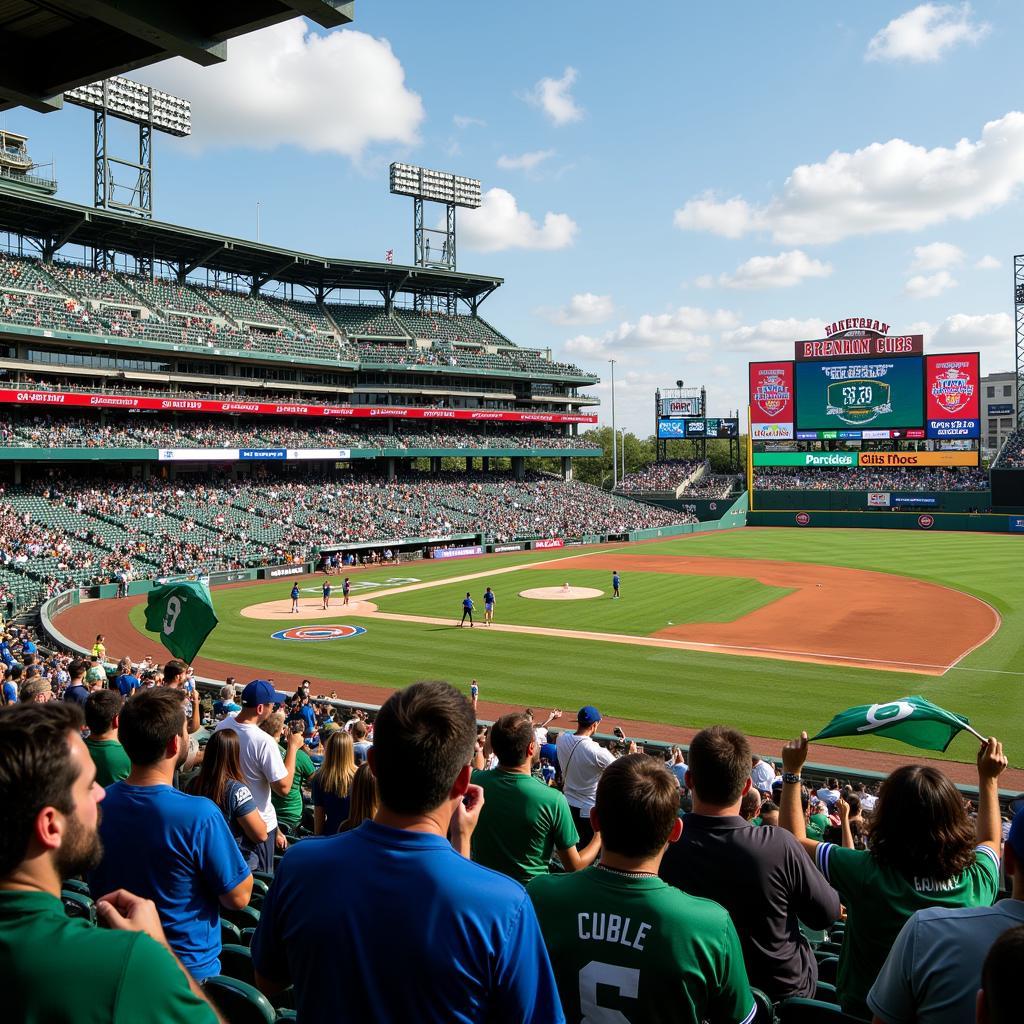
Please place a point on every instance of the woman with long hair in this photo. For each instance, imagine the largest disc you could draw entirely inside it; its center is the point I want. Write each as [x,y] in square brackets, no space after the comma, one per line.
[332,784]
[923,851]
[220,780]
[364,799]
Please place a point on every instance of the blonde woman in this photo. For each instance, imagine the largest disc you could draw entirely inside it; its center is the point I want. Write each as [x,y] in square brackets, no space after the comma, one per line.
[364,802]
[332,784]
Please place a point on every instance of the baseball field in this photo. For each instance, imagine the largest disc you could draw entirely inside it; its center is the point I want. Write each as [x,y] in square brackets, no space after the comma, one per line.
[769,630]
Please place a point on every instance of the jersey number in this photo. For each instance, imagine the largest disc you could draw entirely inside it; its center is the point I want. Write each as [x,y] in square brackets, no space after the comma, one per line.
[625,980]
[171,617]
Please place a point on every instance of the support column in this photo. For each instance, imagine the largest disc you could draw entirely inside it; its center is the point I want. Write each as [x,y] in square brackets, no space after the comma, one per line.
[469,463]
[391,470]
[435,464]
[566,468]
[17,472]
[485,463]
[519,467]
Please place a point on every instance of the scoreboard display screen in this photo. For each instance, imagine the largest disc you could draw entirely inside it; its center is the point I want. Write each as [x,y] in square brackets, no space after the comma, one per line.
[876,393]
[699,427]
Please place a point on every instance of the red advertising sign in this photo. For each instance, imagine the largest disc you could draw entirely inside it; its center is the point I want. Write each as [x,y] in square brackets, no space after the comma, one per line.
[862,346]
[952,391]
[771,401]
[551,542]
[76,399]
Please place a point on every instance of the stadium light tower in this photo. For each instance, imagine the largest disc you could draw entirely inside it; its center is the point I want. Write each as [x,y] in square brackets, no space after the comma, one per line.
[450,191]
[615,463]
[1018,310]
[148,108]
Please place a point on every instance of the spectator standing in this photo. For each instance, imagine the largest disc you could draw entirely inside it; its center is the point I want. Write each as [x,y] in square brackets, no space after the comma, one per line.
[931,973]
[762,774]
[10,687]
[165,846]
[220,780]
[226,704]
[662,956]
[58,969]
[331,786]
[760,875]
[263,768]
[523,821]
[582,761]
[77,692]
[289,807]
[676,764]
[127,679]
[360,744]
[101,716]
[477,954]
[99,649]
[923,852]
[999,996]
[365,799]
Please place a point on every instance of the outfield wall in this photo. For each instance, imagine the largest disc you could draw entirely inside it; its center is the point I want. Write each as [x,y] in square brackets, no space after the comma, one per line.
[940,521]
[874,501]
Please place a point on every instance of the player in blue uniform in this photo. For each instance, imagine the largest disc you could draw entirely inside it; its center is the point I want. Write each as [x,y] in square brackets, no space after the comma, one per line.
[467,611]
[488,606]
[327,592]
[295,597]
[615,584]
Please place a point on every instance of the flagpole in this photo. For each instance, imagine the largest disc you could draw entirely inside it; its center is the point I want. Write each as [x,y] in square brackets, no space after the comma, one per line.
[974,732]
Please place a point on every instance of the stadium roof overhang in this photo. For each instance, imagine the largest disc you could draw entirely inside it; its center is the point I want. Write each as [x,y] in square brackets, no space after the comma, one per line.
[50,46]
[54,223]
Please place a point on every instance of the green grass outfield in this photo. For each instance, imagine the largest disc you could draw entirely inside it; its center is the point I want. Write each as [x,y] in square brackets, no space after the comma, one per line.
[765,697]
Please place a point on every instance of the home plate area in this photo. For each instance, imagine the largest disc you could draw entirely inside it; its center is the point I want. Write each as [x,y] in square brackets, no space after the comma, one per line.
[562,593]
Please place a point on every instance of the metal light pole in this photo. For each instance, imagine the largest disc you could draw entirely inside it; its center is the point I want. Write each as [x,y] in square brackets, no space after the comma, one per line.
[258,205]
[615,461]
[622,448]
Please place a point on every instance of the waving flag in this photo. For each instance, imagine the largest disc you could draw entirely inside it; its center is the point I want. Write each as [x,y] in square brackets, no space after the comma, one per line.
[183,615]
[911,720]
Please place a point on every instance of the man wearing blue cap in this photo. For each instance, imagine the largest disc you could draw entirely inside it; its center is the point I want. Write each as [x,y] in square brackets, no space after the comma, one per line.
[582,762]
[933,971]
[263,768]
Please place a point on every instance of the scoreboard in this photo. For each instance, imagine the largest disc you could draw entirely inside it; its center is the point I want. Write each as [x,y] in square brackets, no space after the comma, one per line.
[699,428]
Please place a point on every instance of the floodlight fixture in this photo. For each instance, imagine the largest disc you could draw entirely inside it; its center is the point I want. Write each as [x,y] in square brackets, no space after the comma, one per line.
[435,186]
[137,103]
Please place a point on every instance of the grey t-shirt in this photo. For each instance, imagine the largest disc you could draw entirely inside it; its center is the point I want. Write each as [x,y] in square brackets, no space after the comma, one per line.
[933,971]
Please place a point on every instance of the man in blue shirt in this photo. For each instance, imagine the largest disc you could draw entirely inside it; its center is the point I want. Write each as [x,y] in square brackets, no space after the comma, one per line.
[77,691]
[127,682]
[165,846]
[10,688]
[615,584]
[465,938]
[467,611]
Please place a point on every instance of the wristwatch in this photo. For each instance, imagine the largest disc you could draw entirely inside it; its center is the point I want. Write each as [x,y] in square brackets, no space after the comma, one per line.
[791,777]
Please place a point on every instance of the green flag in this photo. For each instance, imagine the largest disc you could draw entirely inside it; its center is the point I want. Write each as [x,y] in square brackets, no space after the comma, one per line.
[912,720]
[183,615]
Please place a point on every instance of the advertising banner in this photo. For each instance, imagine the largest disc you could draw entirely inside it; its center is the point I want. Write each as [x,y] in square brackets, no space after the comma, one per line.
[72,398]
[897,459]
[882,393]
[824,459]
[680,408]
[953,395]
[1016,524]
[1000,410]
[273,572]
[549,542]
[915,499]
[867,345]
[499,548]
[771,401]
[472,549]
[878,499]
[671,428]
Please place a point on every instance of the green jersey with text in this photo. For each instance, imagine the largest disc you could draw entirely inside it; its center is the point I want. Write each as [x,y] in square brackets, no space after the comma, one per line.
[630,949]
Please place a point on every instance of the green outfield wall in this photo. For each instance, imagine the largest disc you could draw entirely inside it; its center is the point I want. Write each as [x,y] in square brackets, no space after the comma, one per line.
[941,521]
[880,501]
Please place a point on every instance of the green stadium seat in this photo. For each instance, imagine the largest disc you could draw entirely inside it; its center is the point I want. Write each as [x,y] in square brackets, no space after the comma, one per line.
[765,1008]
[230,932]
[246,939]
[812,1011]
[826,992]
[242,917]
[827,969]
[238,1002]
[236,962]
[285,1015]
[263,876]
[76,885]
[259,885]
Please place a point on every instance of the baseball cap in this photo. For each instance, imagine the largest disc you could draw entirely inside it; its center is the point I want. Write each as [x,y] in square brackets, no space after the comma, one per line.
[96,675]
[259,691]
[1016,836]
[588,715]
[35,686]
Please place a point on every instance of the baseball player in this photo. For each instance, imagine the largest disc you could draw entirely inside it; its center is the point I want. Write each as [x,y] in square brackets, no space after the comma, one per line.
[488,606]
[346,587]
[295,598]
[615,584]
[327,593]
[467,611]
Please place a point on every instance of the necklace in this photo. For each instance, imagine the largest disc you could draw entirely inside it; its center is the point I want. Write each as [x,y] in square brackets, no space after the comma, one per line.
[628,874]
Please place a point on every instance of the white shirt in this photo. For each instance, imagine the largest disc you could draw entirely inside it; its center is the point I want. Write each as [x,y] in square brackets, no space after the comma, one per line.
[868,801]
[540,734]
[261,763]
[828,796]
[582,761]
[763,775]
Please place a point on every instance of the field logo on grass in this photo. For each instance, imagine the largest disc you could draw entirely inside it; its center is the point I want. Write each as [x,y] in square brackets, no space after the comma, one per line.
[803,519]
[926,522]
[317,633]
[394,581]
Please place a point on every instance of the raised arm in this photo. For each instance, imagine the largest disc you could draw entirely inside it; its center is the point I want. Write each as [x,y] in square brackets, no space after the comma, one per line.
[791,812]
[988,825]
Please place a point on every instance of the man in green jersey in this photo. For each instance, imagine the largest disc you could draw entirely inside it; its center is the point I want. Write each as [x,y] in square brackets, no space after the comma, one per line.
[289,807]
[101,711]
[56,969]
[523,821]
[626,946]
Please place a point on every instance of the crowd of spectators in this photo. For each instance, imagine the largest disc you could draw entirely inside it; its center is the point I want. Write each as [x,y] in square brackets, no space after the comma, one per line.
[665,476]
[781,478]
[1011,455]
[710,485]
[723,882]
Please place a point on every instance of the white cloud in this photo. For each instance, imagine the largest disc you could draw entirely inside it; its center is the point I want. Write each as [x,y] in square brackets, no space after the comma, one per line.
[937,256]
[499,224]
[988,263]
[525,161]
[926,33]
[965,331]
[888,186]
[462,121]
[688,330]
[782,271]
[553,96]
[582,308]
[705,281]
[287,85]
[772,337]
[927,286]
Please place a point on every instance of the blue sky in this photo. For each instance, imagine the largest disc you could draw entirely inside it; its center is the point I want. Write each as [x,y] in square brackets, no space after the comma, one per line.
[683,187]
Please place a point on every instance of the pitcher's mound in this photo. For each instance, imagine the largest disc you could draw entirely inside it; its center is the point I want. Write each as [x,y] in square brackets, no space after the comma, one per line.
[561,594]
[311,608]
